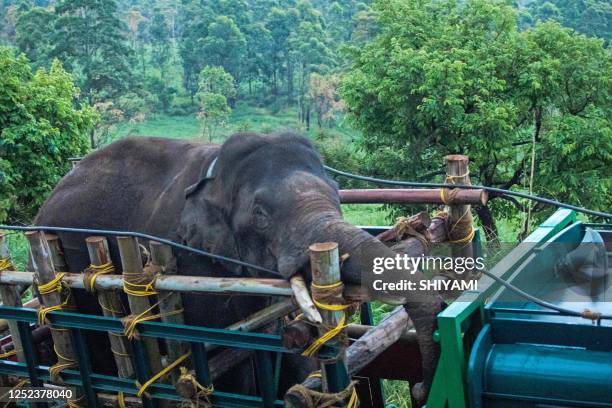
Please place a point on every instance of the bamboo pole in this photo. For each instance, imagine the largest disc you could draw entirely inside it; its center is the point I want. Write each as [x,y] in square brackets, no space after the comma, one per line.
[57,255]
[171,303]
[10,297]
[196,284]
[325,268]
[42,263]
[410,196]
[110,302]
[459,222]
[131,263]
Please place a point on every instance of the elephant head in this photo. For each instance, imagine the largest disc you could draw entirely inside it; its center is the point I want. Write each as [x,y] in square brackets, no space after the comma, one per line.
[267,198]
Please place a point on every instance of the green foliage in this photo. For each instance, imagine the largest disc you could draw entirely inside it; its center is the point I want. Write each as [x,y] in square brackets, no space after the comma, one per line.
[40,129]
[32,35]
[591,17]
[214,113]
[217,80]
[90,39]
[224,45]
[446,77]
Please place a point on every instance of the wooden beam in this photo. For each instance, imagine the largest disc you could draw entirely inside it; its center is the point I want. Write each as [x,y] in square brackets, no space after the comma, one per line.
[110,302]
[131,263]
[410,196]
[43,265]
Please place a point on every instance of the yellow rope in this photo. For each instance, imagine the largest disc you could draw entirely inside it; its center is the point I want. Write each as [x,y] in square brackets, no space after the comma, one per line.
[330,286]
[139,289]
[44,311]
[353,400]
[76,403]
[16,387]
[331,307]
[131,322]
[318,343]
[63,363]
[5,264]
[121,400]
[200,390]
[92,273]
[8,354]
[466,239]
[162,373]
[54,285]
[110,310]
[451,179]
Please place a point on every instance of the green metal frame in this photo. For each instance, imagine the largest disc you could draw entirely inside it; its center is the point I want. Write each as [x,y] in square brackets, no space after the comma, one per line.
[265,345]
[460,323]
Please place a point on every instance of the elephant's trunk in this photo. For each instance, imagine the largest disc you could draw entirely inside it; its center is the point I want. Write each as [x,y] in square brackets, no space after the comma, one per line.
[421,306]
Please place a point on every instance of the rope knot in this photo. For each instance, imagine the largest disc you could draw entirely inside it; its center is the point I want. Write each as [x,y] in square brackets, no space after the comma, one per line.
[189,388]
[142,284]
[91,273]
[317,399]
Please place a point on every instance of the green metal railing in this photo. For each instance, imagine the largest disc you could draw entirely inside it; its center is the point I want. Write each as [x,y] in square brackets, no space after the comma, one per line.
[198,337]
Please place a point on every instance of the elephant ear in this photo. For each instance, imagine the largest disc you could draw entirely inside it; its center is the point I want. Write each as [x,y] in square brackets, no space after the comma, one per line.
[203,225]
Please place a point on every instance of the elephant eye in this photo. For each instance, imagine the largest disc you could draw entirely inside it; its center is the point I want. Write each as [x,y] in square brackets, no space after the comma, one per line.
[260,217]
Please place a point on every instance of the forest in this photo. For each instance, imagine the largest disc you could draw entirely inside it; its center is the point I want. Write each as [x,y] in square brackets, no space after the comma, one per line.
[385,88]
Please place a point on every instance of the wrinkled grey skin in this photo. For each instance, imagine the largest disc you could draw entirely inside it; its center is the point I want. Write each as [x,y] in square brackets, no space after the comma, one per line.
[270,199]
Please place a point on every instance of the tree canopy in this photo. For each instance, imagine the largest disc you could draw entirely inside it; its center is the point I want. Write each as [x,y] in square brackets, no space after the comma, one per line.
[447,77]
[40,128]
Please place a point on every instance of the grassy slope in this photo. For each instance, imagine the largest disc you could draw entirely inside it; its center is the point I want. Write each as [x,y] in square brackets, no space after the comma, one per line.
[242,118]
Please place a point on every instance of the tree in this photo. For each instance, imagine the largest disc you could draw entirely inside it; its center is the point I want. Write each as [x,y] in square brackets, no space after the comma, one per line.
[214,113]
[159,32]
[217,80]
[325,99]
[591,17]
[224,45]
[258,53]
[309,50]
[194,18]
[40,128]
[215,88]
[32,35]
[448,77]
[280,23]
[90,38]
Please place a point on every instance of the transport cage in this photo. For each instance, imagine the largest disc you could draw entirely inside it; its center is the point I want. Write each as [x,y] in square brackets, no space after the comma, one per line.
[266,349]
[500,350]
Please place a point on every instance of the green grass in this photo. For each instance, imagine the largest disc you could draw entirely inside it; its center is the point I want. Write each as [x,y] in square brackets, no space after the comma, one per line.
[243,118]
[366,214]
[18,247]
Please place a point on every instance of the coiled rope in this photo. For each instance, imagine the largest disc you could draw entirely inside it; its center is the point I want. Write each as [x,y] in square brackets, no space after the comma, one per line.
[317,399]
[321,295]
[188,387]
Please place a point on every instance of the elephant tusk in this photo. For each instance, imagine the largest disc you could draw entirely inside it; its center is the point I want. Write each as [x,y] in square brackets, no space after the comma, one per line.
[303,299]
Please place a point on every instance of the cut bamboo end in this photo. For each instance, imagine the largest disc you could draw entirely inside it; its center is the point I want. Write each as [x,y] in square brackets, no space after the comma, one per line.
[323,247]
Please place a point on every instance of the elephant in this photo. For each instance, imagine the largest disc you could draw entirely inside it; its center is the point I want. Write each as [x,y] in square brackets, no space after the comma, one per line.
[259,198]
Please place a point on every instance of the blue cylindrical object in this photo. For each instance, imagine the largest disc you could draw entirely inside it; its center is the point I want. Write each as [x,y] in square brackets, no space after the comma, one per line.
[527,374]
